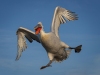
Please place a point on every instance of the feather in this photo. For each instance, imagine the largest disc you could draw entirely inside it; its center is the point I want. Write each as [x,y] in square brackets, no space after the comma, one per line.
[60,15]
[22,35]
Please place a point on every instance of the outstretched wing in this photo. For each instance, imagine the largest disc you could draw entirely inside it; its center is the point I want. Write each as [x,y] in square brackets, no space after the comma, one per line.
[60,17]
[21,34]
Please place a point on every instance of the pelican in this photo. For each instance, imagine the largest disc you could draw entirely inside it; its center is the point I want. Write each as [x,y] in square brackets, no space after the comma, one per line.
[56,49]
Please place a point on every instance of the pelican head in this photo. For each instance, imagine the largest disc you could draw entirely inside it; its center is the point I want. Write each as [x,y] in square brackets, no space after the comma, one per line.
[38,28]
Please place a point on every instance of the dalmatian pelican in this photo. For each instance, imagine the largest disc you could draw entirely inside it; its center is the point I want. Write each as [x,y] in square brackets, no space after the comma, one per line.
[55,48]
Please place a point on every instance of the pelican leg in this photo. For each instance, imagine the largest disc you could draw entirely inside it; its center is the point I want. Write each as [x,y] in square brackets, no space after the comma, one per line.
[77,49]
[48,65]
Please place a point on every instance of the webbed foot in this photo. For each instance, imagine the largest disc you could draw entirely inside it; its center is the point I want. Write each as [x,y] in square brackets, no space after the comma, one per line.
[45,66]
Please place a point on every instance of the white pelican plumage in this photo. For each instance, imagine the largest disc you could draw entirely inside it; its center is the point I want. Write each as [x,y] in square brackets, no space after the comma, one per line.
[55,48]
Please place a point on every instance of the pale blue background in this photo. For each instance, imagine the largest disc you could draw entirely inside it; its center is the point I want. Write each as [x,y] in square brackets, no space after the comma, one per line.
[27,13]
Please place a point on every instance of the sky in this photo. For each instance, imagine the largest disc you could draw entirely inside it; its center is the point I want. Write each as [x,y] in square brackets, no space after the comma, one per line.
[27,13]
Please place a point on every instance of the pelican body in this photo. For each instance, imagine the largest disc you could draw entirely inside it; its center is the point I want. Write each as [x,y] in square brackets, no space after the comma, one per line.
[55,48]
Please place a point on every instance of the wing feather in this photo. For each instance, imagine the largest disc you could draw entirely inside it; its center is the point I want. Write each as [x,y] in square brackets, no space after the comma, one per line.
[21,34]
[61,15]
